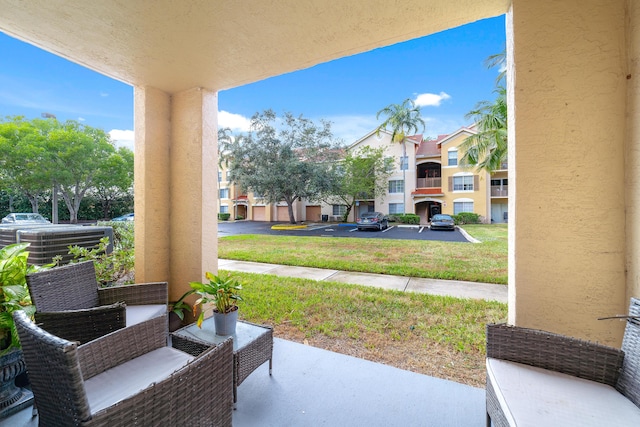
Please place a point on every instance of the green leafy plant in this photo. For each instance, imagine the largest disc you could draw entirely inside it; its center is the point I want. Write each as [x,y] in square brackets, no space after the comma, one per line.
[224,216]
[220,290]
[178,307]
[466,218]
[14,293]
[111,267]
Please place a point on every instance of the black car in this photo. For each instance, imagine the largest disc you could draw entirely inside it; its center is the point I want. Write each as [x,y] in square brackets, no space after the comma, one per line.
[442,222]
[372,220]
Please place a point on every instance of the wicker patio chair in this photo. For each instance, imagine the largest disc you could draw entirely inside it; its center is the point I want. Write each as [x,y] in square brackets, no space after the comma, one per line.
[129,377]
[69,303]
[546,384]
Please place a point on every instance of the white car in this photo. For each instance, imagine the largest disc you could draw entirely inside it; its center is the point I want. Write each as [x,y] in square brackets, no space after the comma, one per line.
[25,218]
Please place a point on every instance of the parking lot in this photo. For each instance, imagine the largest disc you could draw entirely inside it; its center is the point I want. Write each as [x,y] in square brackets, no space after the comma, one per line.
[341,230]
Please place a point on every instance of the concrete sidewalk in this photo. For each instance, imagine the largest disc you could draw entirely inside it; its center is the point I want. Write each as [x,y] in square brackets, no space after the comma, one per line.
[454,288]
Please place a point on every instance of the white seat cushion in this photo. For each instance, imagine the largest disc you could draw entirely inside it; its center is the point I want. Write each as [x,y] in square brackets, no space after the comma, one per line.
[531,396]
[123,381]
[140,313]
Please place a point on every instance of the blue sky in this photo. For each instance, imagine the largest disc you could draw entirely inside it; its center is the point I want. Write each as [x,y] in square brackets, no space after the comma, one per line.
[444,72]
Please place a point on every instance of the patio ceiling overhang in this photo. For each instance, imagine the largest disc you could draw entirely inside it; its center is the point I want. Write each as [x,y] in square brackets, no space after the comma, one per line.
[174,46]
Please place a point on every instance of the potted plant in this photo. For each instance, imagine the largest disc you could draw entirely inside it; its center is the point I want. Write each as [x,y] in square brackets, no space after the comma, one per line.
[222,292]
[176,311]
[14,295]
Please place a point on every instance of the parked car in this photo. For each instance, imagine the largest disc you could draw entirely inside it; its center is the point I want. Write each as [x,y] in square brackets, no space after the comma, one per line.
[125,217]
[25,218]
[372,220]
[442,222]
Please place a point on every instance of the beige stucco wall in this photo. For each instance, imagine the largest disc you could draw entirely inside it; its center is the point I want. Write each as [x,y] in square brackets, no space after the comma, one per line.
[567,87]
[151,183]
[175,184]
[479,197]
[632,152]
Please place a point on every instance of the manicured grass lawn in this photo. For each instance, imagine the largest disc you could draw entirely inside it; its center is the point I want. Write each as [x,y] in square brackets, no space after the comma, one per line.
[437,336]
[433,335]
[482,262]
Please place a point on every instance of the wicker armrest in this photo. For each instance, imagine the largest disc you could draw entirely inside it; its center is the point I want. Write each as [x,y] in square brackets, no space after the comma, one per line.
[137,294]
[120,346]
[200,393]
[83,325]
[555,352]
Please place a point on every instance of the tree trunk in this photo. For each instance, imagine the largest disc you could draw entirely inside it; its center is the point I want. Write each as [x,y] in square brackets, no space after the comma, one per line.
[292,218]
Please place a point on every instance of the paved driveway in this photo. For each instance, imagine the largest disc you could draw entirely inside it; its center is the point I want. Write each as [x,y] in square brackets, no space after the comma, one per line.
[340,230]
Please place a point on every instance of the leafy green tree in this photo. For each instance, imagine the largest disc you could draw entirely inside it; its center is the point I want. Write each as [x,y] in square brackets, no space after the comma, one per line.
[363,173]
[114,180]
[22,156]
[487,150]
[283,159]
[402,120]
[77,152]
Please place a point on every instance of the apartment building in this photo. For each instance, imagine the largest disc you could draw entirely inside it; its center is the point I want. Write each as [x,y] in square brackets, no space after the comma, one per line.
[427,179]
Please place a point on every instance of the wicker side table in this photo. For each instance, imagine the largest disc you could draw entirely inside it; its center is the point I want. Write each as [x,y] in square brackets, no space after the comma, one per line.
[252,346]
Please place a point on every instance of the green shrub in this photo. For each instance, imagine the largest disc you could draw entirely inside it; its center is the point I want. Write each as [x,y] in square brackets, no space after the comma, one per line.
[466,218]
[239,217]
[224,216]
[408,218]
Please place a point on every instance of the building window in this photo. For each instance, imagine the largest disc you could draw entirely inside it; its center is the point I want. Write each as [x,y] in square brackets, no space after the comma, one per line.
[396,186]
[463,183]
[224,193]
[219,176]
[453,157]
[339,209]
[404,163]
[459,207]
[396,208]
[224,209]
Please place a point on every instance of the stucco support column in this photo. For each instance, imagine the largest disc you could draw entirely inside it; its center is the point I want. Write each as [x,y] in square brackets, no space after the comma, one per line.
[175,186]
[567,92]
[632,154]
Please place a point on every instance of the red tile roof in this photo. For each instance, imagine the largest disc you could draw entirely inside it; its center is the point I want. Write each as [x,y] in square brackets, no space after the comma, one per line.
[430,148]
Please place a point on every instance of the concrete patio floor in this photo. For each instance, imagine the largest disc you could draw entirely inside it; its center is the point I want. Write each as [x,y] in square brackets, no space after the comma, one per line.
[314,387]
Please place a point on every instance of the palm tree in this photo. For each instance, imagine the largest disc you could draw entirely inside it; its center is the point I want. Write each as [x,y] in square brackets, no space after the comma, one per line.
[488,148]
[403,120]
[224,139]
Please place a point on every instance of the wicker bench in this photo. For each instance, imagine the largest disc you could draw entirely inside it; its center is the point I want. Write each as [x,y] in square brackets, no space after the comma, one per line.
[538,378]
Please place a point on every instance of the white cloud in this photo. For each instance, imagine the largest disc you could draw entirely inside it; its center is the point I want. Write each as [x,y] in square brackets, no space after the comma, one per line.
[122,138]
[81,119]
[431,99]
[352,128]
[104,94]
[233,121]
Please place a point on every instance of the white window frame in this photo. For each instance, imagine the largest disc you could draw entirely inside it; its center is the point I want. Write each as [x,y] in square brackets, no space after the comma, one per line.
[396,208]
[396,186]
[452,161]
[465,183]
[224,209]
[404,163]
[339,209]
[462,205]
[224,193]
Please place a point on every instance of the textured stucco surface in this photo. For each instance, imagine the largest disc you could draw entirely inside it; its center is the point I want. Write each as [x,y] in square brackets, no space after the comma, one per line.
[632,152]
[152,109]
[567,239]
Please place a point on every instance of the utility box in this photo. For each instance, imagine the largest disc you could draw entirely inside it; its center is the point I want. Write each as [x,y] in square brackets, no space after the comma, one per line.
[48,240]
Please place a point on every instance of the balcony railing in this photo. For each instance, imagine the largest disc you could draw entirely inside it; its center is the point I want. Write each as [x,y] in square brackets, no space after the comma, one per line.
[429,182]
[499,191]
